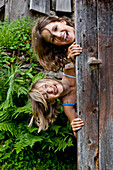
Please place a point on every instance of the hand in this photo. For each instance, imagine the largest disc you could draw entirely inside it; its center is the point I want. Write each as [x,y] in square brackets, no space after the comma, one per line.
[76,124]
[73,51]
[75,134]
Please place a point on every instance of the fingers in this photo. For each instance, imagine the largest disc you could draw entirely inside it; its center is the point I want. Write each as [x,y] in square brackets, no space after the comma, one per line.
[75,129]
[77,124]
[75,134]
[74,50]
[74,45]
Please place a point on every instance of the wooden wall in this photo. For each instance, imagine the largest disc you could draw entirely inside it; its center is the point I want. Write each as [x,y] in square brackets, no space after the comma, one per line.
[94,31]
[14,8]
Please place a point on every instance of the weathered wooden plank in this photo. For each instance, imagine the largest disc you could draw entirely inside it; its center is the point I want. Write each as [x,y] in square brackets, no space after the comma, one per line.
[15,8]
[87,84]
[63,6]
[2,3]
[42,6]
[105,48]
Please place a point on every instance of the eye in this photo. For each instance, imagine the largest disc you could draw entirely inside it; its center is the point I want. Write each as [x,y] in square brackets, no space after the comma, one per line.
[55,29]
[47,96]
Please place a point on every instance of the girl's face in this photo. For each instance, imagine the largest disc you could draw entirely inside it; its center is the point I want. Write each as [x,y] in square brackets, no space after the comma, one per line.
[50,89]
[58,33]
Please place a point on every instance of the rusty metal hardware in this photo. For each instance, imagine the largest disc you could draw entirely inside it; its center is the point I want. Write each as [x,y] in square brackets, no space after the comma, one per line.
[94,62]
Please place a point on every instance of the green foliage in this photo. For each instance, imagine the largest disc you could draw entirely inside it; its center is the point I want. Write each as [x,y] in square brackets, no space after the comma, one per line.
[7,126]
[16,35]
[24,140]
[22,147]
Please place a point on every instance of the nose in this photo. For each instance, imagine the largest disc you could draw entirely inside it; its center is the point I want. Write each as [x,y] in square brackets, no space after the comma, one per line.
[50,90]
[57,34]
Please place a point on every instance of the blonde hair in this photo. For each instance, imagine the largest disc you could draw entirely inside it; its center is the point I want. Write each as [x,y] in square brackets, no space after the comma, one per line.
[43,112]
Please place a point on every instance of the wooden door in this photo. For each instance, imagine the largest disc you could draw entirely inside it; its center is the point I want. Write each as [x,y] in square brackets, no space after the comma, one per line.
[94,32]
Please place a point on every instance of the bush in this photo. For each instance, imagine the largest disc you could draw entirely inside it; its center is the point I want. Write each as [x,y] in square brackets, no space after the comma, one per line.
[22,147]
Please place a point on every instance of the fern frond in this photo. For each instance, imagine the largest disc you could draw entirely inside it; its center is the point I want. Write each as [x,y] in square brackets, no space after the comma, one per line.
[55,128]
[26,140]
[11,73]
[30,75]
[26,109]
[62,144]
[8,126]
[58,143]
[22,90]
[33,129]
[7,113]
[38,77]
[3,115]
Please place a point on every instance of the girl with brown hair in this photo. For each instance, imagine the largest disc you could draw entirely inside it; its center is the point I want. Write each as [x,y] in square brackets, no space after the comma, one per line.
[53,40]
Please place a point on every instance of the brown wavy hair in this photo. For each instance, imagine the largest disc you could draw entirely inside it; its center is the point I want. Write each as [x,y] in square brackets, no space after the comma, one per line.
[43,112]
[51,57]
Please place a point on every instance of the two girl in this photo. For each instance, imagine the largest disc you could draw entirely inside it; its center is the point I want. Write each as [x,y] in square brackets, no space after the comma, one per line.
[54,43]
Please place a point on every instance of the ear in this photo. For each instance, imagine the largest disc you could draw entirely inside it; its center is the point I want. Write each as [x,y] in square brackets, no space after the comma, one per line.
[64,22]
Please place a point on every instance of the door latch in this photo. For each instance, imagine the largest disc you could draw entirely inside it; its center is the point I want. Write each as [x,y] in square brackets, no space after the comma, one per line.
[94,62]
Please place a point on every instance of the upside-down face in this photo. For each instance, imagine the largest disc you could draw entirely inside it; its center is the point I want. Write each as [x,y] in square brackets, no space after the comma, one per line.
[50,89]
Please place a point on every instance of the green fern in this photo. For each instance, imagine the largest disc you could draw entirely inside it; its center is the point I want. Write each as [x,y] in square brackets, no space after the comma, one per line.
[11,89]
[26,140]
[38,77]
[63,143]
[8,126]
[22,90]
[59,143]
[7,113]
[26,110]
[22,147]
[56,128]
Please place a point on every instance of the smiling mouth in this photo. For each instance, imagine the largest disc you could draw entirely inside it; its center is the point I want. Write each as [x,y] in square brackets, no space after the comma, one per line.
[66,36]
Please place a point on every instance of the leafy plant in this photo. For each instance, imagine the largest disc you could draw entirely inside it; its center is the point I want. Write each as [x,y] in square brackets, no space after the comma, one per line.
[22,147]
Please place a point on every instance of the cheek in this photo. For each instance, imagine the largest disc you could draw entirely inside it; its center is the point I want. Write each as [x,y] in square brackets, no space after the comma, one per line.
[51,96]
[45,35]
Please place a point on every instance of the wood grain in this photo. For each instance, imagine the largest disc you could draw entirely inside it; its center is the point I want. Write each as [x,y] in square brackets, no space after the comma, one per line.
[94,32]
[87,84]
[105,49]
[42,6]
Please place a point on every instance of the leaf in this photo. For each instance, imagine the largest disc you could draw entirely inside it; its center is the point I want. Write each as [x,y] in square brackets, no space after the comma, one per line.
[38,77]
[25,109]
[29,74]
[8,126]
[26,140]
[55,128]
[22,90]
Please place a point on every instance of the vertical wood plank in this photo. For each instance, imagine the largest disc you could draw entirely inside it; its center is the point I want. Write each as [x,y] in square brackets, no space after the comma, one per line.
[87,84]
[105,48]
[42,6]
[63,6]
[15,8]
[2,3]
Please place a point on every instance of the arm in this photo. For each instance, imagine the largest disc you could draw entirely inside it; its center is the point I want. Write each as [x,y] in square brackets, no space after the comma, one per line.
[76,123]
[70,112]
